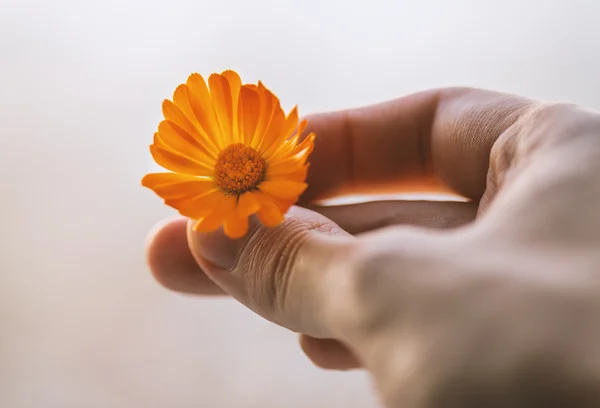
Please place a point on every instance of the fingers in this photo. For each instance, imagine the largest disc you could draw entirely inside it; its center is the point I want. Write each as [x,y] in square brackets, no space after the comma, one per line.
[171,262]
[174,266]
[329,354]
[310,276]
[363,217]
[286,274]
[431,141]
[435,141]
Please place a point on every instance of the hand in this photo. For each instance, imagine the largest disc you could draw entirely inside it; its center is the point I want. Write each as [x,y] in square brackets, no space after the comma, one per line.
[490,302]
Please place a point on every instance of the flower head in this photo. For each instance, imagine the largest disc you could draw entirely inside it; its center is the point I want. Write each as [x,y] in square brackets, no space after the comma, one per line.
[231,151]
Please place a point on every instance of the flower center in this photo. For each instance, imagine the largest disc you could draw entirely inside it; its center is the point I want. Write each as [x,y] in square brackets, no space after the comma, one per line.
[239,168]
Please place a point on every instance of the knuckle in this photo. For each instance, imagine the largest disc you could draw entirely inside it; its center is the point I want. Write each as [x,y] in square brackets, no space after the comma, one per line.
[359,280]
[400,278]
[501,156]
[551,124]
[370,273]
[541,128]
[342,307]
[382,277]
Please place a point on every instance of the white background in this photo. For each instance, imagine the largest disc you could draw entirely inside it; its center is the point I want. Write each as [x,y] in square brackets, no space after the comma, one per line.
[82,323]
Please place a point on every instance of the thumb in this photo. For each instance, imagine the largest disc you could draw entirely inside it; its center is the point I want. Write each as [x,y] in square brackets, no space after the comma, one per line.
[285,274]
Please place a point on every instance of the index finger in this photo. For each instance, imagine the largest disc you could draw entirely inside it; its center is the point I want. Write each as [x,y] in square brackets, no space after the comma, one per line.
[436,141]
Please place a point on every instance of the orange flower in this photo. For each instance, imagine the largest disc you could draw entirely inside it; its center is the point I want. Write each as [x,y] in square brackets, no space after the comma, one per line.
[232,153]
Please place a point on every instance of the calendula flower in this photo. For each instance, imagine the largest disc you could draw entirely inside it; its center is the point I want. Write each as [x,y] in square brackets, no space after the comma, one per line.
[231,151]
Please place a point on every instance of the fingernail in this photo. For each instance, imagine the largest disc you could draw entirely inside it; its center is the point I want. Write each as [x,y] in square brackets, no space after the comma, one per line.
[219,250]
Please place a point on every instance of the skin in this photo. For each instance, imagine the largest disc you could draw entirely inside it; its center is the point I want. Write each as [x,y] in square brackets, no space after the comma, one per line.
[489,302]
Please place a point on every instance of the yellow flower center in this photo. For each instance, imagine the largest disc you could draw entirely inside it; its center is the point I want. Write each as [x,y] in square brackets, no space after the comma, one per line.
[239,168]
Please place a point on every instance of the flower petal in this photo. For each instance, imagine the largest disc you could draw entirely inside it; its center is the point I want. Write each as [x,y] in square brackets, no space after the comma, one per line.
[288,126]
[283,189]
[307,143]
[198,206]
[273,130]
[247,205]
[173,185]
[290,146]
[235,83]
[185,189]
[287,166]
[178,163]
[298,175]
[283,205]
[303,150]
[212,221]
[203,109]
[269,214]
[248,114]
[154,180]
[180,99]
[174,114]
[220,93]
[268,103]
[179,141]
[290,164]
[235,226]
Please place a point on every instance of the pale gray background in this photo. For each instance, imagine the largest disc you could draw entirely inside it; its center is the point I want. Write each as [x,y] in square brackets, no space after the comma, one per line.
[82,324]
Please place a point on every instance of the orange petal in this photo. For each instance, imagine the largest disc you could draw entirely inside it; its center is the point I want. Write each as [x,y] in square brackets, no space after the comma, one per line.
[247,205]
[203,109]
[269,214]
[198,206]
[154,180]
[172,113]
[180,99]
[298,175]
[220,93]
[179,141]
[283,189]
[290,164]
[178,163]
[248,114]
[283,205]
[235,226]
[273,130]
[290,124]
[220,213]
[307,143]
[290,146]
[287,129]
[267,110]
[287,166]
[301,151]
[185,189]
[173,185]
[235,83]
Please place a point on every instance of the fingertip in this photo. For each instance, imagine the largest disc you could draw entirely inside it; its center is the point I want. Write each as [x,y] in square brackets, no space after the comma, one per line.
[157,229]
[171,262]
[329,354]
[159,240]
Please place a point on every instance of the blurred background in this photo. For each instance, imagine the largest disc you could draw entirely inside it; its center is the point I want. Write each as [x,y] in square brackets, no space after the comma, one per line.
[82,323]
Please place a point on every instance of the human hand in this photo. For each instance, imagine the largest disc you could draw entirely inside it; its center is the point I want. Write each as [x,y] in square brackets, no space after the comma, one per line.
[490,302]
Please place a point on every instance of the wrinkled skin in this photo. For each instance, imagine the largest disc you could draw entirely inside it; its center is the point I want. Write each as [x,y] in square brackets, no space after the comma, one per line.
[491,302]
